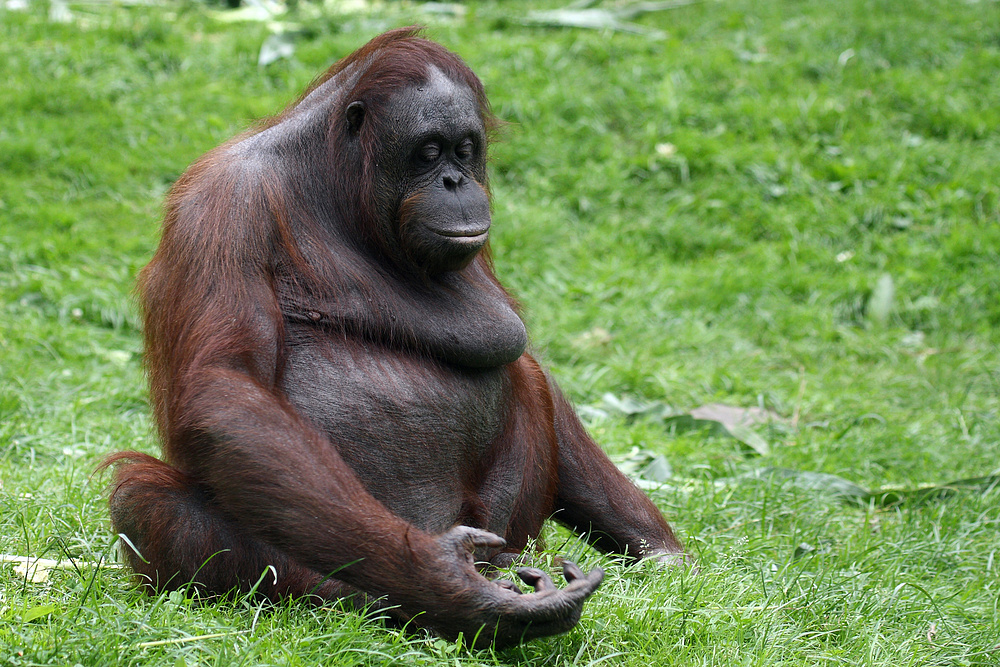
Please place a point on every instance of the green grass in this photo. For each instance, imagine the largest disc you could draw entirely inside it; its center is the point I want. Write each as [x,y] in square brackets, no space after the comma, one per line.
[700,218]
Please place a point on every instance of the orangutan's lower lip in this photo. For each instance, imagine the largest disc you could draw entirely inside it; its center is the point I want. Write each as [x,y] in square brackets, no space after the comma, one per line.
[464,234]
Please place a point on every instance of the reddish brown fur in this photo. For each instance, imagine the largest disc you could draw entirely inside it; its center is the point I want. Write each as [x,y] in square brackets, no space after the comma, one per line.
[277,282]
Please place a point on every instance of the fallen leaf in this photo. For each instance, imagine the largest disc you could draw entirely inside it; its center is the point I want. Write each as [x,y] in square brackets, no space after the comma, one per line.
[880,302]
[742,434]
[735,416]
[37,612]
[37,570]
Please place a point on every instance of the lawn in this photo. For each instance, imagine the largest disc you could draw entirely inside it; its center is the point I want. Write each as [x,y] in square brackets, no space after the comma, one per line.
[787,206]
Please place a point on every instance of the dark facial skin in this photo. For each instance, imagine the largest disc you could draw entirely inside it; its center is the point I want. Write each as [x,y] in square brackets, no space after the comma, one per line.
[438,161]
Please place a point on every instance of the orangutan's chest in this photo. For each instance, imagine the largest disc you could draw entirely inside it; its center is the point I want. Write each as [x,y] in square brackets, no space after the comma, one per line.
[412,430]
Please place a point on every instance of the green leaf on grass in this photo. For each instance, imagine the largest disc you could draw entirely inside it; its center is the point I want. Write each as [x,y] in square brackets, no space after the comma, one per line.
[929,492]
[880,302]
[821,482]
[742,434]
[722,421]
[643,463]
[847,491]
[37,612]
[658,470]
[277,46]
[629,406]
[749,437]
[584,15]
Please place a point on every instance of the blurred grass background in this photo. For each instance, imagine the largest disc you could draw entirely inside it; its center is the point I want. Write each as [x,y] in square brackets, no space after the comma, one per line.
[791,206]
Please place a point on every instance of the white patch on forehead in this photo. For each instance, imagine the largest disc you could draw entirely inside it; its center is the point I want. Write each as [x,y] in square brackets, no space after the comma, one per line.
[443,85]
[444,98]
[435,107]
